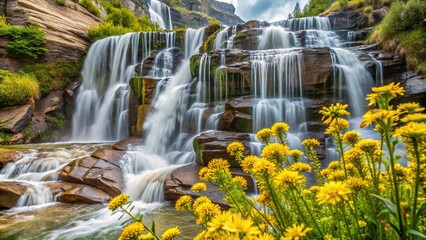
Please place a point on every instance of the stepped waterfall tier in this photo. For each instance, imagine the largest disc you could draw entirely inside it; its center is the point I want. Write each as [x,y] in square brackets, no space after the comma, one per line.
[174,101]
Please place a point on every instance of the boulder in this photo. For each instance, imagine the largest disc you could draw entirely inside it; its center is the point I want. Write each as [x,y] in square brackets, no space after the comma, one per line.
[238,115]
[110,155]
[123,145]
[77,193]
[10,192]
[213,145]
[182,179]
[98,173]
[8,157]
[318,68]
[15,118]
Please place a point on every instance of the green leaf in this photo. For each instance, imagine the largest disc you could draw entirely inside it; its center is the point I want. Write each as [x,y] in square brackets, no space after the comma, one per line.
[421,209]
[153,227]
[392,208]
[416,233]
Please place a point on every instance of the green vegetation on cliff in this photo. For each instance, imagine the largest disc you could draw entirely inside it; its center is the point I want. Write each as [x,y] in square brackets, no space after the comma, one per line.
[17,89]
[91,7]
[119,21]
[23,41]
[404,30]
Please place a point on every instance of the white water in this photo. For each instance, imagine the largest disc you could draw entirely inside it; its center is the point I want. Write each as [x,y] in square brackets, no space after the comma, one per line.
[160,13]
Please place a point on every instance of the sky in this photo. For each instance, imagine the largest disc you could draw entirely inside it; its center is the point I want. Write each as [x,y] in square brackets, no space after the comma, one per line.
[269,10]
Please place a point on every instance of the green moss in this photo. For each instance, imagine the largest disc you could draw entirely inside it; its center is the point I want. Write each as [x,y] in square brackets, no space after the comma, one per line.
[91,7]
[136,85]
[53,76]
[17,89]
[24,41]
[208,44]
[5,137]
[195,65]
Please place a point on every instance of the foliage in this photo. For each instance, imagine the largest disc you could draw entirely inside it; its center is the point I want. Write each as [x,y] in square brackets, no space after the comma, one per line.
[119,21]
[91,7]
[213,21]
[60,2]
[24,41]
[136,228]
[313,8]
[404,29]
[53,76]
[366,195]
[17,89]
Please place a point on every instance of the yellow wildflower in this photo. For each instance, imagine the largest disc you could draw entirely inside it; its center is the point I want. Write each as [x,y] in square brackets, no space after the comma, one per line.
[264,166]
[333,111]
[325,172]
[237,224]
[391,90]
[415,117]
[264,199]
[240,181]
[379,115]
[170,233]
[217,221]
[351,137]
[402,173]
[183,203]
[333,193]
[300,167]
[356,183]
[368,145]
[132,231]
[336,175]
[338,125]
[411,107]
[264,135]
[362,223]
[266,236]
[296,232]
[275,151]
[118,201]
[218,164]
[248,163]
[198,187]
[198,201]
[205,211]
[411,130]
[353,155]
[286,178]
[314,188]
[201,236]
[235,147]
[310,142]
[295,154]
[334,165]
[280,127]
[147,236]
[328,237]
[204,174]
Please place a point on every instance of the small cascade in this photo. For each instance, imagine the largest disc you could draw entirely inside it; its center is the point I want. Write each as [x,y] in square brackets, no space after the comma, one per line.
[160,13]
[351,80]
[275,37]
[221,40]
[297,24]
[102,103]
[36,194]
[277,87]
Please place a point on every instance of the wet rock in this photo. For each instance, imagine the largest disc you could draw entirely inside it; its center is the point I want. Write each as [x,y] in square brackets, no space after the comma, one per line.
[10,192]
[213,145]
[238,115]
[83,194]
[109,155]
[98,173]
[124,144]
[15,118]
[182,179]
[8,157]
[318,68]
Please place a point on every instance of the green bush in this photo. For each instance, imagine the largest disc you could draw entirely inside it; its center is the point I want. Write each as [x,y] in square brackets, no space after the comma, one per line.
[24,41]
[54,76]
[106,29]
[17,89]
[91,7]
[60,2]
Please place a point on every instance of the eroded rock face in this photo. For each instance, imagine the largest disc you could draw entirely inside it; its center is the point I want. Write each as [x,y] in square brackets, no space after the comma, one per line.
[238,115]
[10,192]
[77,193]
[101,173]
[8,157]
[66,27]
[16,118]
[212,145]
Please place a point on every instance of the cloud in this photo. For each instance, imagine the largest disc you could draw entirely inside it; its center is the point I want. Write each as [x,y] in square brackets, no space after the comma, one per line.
[269,10]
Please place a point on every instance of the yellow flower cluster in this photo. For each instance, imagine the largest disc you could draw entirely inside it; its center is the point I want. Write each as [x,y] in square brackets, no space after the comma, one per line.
[264,135]
[300,167]
[333,193]
[391,90]
[132,231]
[170,233]
[295,154]
[329,114]
[200,200]
[232,226]
[310,142]
[118,201]
[411,130]
[296,232]
[336,126]
[264,166]
[183,203]
[411,107]
[357,183]
[415,117]
[215,166]
[234,147]
[351,137]
[198,187]
[248,163]
[280,128]
[206,211]
[368,145]
[287,178]
[387,117]
[242,182]
[275,151]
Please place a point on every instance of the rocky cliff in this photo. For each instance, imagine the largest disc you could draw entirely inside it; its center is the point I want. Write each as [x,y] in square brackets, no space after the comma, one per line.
[65,26]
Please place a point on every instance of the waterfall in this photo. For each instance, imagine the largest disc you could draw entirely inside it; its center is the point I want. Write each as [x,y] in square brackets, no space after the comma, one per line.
[297,24]
[160,13]
[275,37]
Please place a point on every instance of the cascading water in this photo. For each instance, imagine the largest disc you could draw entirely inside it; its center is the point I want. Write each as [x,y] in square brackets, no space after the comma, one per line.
[160,13]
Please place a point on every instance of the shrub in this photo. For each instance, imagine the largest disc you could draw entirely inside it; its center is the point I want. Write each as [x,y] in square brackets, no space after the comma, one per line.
[368,9]
[106,29]
[53,76]
[24,41]
[17,89]
[91,7]
[60,2]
